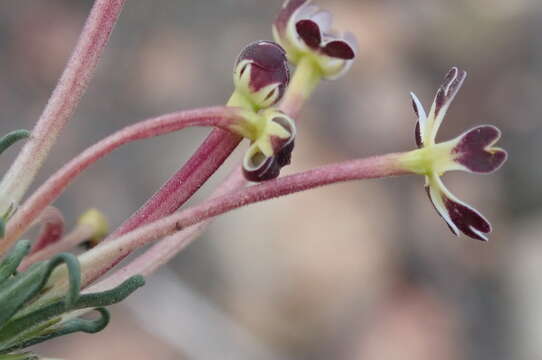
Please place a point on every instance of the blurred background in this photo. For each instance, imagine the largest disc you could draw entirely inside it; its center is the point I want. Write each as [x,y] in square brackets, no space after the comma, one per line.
[364,270]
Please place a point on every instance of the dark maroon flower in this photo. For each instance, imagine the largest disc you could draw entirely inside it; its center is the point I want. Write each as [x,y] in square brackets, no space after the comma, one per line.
[473,151]
[271,149]
[261,73]
[305,30]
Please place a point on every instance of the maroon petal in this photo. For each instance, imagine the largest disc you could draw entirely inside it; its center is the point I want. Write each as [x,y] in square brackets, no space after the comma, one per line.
[260,168]
[451,84]
[468,220]
[339,49]
[288,9]
[475,152]
[310,33]
[418,135]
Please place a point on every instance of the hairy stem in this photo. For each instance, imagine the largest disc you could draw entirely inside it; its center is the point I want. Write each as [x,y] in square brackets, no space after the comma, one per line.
[102,258]
[55,185]
[63,101]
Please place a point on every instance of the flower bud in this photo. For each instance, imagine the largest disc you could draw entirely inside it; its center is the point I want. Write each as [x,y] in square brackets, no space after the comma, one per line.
[261,73]
[272,148]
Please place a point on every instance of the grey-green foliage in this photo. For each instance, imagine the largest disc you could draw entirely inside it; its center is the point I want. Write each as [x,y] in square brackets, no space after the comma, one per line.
[22,325]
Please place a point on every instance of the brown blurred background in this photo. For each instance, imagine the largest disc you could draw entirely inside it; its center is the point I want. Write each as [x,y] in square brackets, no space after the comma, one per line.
[353,271]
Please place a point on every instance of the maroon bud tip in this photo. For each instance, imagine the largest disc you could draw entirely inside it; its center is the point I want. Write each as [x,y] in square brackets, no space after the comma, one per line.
[268,66]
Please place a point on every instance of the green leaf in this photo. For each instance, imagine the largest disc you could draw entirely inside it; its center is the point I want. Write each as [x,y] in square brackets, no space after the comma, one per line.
[9,139]
[9,265]
[68,327]
[24,286]
[28,326]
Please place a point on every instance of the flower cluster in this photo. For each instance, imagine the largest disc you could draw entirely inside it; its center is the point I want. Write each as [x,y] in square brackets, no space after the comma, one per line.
[40,284]
[261,77]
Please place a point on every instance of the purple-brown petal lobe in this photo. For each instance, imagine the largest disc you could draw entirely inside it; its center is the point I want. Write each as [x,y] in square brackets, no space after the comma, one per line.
[450,86]
[468,220]
[288,9]
[418,135]
[309,32]
[339,49]
[474,150]
[266,169]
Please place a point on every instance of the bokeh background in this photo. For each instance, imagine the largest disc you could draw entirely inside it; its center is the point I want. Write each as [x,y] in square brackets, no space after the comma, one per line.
[363,270]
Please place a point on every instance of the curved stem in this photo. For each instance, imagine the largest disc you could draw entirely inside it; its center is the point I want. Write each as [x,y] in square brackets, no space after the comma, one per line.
[63,101]
[211,154]
[53,187]
[102,258]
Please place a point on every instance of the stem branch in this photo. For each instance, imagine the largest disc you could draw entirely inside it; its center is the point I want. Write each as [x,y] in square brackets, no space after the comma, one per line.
[55,185]
[102,258]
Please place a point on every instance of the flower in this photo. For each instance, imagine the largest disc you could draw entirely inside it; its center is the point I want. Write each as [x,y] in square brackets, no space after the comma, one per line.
[272,137]
[261,74]
[473,151]
[305,31]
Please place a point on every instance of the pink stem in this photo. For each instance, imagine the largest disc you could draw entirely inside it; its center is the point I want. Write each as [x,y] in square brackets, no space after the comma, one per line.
[160,253]
[52,228]
[54,186]
[184,183]
[63,101]
[99,260]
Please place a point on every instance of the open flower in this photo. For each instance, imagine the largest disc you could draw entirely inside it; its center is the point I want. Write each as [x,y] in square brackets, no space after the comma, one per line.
[272,134]
[472,151]
[261,74]
[305,31]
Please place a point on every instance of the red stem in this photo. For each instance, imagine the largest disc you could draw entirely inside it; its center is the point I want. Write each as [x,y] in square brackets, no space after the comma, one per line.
[99,260]
[184,183]
[55,185]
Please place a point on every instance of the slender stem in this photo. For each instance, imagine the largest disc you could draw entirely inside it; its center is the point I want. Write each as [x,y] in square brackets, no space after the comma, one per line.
[163,251]
[188,179]
[63,101]
[55,185]
[102,258]
[305,80]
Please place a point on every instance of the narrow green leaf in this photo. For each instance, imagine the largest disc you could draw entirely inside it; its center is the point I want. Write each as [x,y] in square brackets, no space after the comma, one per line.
[69,327]
[9,139]
[9,265]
